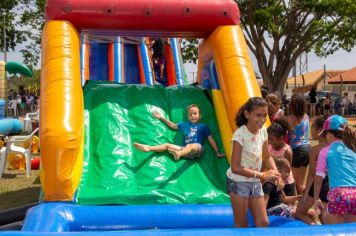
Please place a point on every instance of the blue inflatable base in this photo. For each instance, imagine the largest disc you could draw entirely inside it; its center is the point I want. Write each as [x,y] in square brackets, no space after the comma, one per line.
[332,230]
[195,219]
[10,125]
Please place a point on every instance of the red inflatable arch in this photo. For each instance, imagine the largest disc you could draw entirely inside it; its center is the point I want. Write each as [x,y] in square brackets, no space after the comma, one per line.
[173,18]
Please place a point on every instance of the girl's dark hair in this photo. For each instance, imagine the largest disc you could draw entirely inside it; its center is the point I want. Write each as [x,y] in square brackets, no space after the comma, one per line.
[282,163]
[249,106]
[318,123]
[272,99]
[298,106]
[278,128]
[347,136]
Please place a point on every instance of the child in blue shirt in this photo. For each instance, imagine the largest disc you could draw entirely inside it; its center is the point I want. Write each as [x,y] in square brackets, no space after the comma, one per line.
[338,161]
[194,133]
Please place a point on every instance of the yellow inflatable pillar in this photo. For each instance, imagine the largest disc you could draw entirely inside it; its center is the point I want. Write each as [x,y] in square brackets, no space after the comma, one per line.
[223,121]
[3,83]
[227,47]
[62,112]
[234,67]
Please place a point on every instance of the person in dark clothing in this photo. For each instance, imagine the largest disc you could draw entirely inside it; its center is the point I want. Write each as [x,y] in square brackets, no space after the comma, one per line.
[158,54]
[312,101]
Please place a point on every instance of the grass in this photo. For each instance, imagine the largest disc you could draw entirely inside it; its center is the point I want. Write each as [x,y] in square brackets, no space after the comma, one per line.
[17,190]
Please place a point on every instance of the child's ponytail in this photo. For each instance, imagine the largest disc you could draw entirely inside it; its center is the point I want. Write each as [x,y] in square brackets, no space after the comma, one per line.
[349,138]
[278,128]
[241,119]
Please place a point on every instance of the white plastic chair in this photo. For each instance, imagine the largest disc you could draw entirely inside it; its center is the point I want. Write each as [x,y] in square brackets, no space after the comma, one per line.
[21,144]
[27,121]
[2,160]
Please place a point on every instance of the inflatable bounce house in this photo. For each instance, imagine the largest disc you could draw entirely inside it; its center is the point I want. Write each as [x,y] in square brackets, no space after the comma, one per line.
[9,125]
[97,93]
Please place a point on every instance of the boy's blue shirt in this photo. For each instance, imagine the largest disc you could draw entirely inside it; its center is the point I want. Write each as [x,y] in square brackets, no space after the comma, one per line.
[194,133]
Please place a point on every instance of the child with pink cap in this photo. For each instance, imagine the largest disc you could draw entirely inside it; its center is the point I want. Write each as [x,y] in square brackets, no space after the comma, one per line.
[338,161]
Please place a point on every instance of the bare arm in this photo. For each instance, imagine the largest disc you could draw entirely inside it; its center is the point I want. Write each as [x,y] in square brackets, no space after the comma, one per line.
[311,172]
[238,169]
[267,157]
[317,186]
[288,154]
[214,146]
[289,199]
[169,123]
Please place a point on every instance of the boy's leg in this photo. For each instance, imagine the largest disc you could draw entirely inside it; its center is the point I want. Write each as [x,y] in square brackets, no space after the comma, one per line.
[188,149]
[157,148]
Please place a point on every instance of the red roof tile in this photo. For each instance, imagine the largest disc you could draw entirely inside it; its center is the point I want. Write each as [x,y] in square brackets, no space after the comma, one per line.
[314,76]
[348,77]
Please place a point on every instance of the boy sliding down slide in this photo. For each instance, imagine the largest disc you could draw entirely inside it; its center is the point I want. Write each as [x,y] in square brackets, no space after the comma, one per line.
[194,137]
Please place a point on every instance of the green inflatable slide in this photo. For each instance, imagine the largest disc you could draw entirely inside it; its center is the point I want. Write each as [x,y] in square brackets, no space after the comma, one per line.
[114,172]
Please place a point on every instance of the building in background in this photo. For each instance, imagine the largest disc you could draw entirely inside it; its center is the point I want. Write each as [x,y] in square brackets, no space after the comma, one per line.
[303,83]
[344,82]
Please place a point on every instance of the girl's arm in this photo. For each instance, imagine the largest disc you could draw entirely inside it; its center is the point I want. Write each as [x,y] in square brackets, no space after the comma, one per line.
[311,172]
[320,173]
[289,199]
[267,157]
[214,146]
[169,123]
[288,154]
[317,186]
[236,167]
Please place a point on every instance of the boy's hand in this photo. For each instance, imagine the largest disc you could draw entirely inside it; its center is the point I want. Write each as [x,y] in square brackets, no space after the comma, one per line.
[220,155]
[157,115]
[280,183]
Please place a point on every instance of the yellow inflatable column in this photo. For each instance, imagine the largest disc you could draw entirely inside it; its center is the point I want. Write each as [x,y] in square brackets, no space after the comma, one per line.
[234,67]
[61,116]
[3,83]
[223,121]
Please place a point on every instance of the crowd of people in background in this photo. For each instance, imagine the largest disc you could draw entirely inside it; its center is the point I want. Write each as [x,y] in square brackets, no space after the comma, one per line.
[22,102]
[343,105]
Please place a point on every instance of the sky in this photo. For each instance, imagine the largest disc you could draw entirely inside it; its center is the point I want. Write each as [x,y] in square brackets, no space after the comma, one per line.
[340,60]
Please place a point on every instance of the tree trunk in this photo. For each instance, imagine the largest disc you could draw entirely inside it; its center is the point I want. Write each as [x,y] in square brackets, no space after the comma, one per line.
[277,80]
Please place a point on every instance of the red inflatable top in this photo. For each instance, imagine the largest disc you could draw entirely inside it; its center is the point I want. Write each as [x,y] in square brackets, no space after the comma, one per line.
[188,18]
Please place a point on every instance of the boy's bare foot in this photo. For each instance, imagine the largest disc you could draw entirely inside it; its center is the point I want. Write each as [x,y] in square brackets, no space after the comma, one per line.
[142,147]
[174,153]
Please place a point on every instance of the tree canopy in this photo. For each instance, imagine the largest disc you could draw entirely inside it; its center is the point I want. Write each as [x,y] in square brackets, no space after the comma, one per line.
[23,21]
[8,20]
[190,50]
[278,32]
